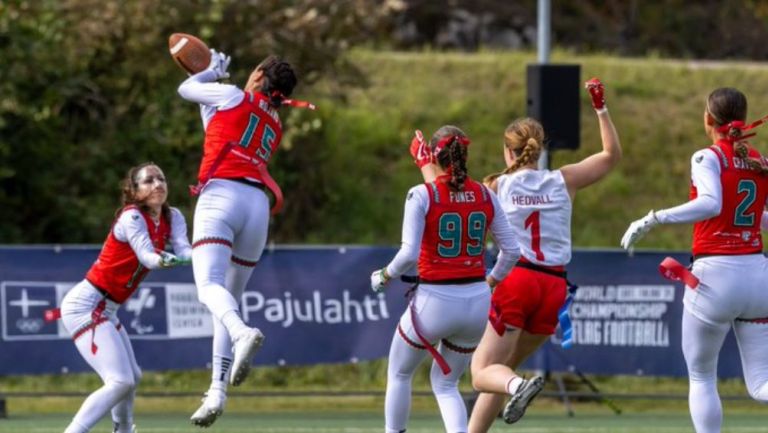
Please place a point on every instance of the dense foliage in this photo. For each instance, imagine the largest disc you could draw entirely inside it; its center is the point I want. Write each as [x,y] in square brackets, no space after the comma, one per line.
[87,89]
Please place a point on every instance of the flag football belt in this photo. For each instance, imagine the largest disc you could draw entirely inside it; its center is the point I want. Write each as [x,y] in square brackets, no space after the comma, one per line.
[249,182]
[701,256]
[103,292]
[261,167]
[563,314]
[415,279]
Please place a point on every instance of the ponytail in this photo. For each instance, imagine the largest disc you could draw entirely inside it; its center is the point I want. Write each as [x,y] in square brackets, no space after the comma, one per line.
[458,162]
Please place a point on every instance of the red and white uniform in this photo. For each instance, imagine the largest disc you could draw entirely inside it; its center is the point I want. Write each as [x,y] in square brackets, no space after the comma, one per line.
[89,309]
[736,230]
[445,232]
[252,127]
[118,271]
[538,207]
[452,246]
[232,212]
[726,205]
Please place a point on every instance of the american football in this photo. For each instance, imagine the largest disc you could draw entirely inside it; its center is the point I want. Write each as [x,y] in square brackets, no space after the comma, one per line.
[189,52]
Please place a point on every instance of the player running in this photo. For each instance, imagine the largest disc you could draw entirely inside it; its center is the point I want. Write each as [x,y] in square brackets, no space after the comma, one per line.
[729,189]
[444,231]
[538,205]
[145,226]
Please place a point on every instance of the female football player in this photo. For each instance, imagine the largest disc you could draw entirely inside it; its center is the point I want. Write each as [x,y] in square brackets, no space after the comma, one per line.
[144,227]
[729,188]
[242,133]
[444,231]
[538,206]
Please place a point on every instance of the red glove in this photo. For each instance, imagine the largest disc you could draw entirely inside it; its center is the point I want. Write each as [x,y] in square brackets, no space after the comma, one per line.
[420,150]
[596,90]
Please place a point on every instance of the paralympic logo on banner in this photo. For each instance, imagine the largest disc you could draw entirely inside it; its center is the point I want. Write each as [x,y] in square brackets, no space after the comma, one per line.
[154,311]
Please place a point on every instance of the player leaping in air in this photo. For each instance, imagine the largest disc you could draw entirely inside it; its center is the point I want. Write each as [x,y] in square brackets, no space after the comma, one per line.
[242,133]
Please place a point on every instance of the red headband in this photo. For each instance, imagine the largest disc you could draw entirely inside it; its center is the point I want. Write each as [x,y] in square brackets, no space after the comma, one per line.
[740,125]
[293,102]
[448,139]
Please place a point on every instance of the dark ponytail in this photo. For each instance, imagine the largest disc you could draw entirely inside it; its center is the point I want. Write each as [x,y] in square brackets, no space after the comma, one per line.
[453,157]
[728,108]
[279,80]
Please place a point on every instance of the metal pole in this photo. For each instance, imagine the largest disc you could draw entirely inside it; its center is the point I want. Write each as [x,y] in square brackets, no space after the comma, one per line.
[543,45]
[544,30]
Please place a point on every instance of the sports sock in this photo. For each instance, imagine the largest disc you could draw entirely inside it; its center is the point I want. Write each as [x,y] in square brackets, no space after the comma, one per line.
[513,385]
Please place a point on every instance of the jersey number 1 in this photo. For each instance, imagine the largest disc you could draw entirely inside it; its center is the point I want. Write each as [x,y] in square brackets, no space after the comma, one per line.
[533,222]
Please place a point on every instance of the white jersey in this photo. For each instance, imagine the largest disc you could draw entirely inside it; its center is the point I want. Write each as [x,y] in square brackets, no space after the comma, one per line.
[538,208]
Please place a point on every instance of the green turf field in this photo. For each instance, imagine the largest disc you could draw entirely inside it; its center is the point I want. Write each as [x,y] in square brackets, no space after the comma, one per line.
[364,422]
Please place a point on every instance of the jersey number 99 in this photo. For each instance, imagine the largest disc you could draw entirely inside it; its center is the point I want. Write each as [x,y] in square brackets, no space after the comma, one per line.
[452,239]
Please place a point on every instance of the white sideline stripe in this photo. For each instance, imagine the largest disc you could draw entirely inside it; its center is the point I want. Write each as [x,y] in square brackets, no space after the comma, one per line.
[179,45]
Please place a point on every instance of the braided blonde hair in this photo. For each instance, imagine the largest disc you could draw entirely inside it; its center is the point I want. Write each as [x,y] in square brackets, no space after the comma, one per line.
[525,139]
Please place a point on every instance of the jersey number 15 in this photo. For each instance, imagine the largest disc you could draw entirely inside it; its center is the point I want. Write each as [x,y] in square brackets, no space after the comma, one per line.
[267,137]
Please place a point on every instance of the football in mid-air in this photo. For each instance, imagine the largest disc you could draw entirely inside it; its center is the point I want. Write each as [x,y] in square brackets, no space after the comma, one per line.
[189,52]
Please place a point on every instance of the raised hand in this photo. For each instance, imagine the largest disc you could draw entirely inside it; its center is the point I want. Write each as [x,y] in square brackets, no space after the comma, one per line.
[219,64]
[638,229]
[420,150]
[596,91]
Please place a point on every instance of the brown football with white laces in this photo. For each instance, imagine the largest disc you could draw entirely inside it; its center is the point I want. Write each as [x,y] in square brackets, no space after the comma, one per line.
[189,52]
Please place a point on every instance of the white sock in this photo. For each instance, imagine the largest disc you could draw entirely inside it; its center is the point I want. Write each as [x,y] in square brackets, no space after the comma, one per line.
[514,385]
[234,324]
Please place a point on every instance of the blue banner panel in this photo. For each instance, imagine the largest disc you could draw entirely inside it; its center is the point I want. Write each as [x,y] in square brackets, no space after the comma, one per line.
[315,306]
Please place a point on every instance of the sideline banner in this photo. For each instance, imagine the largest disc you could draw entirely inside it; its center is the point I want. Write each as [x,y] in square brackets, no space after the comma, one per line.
[314,304]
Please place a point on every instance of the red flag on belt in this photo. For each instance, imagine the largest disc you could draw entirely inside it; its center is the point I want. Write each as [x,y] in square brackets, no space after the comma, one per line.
[671,269]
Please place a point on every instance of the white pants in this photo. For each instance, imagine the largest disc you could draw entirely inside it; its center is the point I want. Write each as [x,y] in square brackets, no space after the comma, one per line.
[454,318]
[230,231]
[732,290]
[113,360]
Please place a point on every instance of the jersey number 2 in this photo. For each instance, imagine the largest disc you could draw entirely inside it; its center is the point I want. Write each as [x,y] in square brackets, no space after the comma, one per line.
[267,138]
[742,217]
[533,222]
[450,231]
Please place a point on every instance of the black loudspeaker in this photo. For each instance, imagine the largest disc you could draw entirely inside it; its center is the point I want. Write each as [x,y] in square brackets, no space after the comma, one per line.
[553,100]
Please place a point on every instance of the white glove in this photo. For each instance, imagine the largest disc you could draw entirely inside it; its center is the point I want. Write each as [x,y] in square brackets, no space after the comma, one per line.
[219,64]
[168,260]
[638,229]
[379,280]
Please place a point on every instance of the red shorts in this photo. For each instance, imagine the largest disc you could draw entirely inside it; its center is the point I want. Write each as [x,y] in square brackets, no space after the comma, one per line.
[529,299]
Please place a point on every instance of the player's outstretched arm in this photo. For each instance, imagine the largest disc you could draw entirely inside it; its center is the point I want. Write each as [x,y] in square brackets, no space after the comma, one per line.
[594,167]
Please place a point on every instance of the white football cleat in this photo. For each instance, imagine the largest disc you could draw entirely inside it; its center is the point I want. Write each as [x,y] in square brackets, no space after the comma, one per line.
[211,409]
[526,392]
[245,347]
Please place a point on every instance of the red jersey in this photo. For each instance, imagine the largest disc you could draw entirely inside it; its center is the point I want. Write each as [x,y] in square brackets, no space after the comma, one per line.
[117,270]
[252,127]
[737,229]
[453,244]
